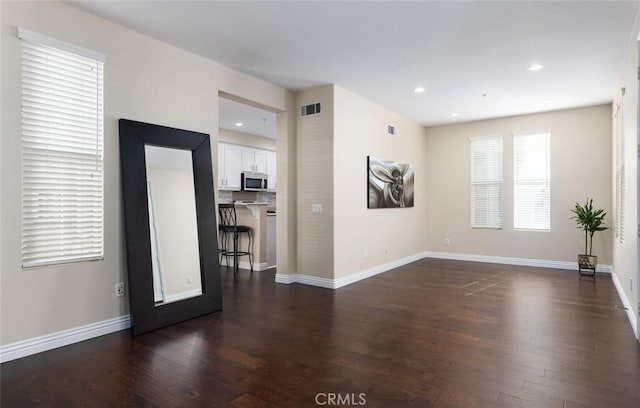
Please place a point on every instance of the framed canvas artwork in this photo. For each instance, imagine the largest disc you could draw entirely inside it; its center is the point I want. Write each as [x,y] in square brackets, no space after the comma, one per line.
[390,184]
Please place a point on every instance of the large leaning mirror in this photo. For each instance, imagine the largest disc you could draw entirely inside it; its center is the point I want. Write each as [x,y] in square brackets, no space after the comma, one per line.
[173,230]
[170,224]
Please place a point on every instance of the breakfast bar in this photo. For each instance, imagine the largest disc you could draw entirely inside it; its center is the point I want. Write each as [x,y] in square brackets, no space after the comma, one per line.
[254,215]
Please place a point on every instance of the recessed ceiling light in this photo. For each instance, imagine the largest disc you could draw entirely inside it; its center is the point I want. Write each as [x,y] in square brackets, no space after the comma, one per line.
[239,124]
[418,89]
[454,114]
[536,67]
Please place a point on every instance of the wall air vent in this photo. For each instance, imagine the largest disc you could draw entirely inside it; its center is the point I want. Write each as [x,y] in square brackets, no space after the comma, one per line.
[391,130]
[311,109]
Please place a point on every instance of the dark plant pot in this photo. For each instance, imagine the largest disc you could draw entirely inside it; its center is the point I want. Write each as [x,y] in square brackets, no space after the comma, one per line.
[588,262]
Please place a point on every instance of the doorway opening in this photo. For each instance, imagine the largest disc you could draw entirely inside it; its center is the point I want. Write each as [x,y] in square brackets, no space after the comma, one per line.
[246,175]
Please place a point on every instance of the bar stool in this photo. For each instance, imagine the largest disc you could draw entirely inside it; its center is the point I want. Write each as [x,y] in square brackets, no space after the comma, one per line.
[229,229]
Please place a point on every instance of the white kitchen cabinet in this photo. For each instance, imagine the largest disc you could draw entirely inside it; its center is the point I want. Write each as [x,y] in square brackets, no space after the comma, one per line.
[260,161]
[247,159]
[229,166]
[234,159]
[254,160]
[271,170]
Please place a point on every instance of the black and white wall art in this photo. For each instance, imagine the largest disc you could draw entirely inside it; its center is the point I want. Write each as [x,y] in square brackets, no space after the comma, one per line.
[390,184]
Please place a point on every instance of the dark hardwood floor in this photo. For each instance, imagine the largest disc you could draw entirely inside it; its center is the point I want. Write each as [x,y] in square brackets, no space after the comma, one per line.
[433,333]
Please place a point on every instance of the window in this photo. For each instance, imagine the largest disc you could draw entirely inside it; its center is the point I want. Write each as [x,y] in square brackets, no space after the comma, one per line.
[620,169]
[531,181]
[486,182]
[62,162]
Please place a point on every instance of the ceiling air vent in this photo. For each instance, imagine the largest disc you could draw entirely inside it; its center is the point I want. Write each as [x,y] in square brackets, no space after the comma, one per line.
[311,109]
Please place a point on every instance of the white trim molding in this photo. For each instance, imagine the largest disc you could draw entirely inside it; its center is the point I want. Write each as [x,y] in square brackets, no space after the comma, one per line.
[537,263]
[349,279]
[305,280]
[47,342]
[367,273]
[257,267]
[626,304]
[29,35]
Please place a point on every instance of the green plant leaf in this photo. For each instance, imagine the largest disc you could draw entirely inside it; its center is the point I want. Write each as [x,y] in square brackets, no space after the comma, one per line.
[589,220]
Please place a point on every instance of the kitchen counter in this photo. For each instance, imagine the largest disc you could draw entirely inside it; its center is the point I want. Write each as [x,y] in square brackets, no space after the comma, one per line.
[253,206]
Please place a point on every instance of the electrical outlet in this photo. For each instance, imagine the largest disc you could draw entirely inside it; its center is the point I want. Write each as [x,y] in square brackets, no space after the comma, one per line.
[119,289]
[447,241]
[386,251]
[365,254]
[189,280]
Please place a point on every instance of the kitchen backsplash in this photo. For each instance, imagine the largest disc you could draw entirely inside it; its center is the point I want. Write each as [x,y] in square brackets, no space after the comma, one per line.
[267,197]
[226,196]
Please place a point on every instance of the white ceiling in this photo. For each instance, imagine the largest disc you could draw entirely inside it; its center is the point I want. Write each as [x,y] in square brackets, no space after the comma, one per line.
[380,50]
[254,120]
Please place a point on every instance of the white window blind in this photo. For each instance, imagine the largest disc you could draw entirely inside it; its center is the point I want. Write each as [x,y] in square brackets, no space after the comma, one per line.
[486,182]
[620,169]
[62,160]
[532,181]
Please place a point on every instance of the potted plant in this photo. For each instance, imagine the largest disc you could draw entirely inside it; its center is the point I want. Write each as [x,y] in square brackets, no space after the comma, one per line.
[590,221]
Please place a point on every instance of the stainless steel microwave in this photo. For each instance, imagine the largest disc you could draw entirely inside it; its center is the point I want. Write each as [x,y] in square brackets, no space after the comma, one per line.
[253,181]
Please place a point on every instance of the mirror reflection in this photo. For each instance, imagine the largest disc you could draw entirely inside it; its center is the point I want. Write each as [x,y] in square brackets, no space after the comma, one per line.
[173,224]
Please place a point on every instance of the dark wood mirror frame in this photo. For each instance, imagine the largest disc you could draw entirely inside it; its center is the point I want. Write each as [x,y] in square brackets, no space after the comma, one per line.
[145,316]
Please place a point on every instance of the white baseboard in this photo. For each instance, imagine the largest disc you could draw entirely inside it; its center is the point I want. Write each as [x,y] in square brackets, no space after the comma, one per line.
[305,280]
[346,280]
[537,263]
[62,338]
[367,273]
[625,302]
[258,267]
[349,279]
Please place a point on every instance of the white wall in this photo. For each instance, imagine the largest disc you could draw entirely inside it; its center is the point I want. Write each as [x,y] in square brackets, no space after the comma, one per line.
[246,139]
[286,168]
[2,238]
[145,80]
[346,238]
[625,255]
[580,168]
[314,176]
[365,238]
